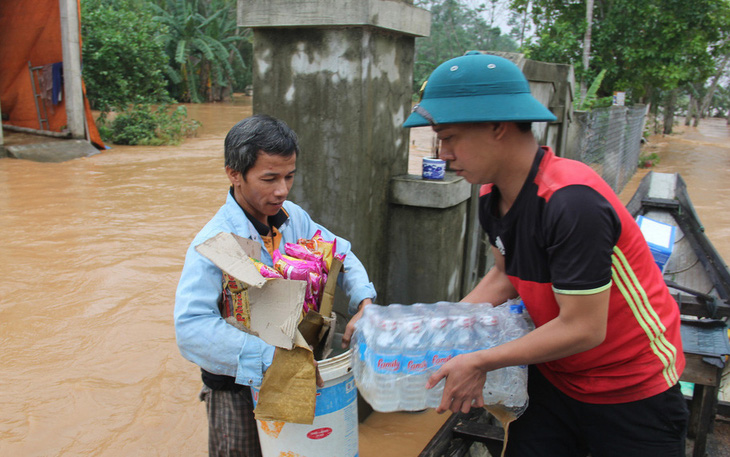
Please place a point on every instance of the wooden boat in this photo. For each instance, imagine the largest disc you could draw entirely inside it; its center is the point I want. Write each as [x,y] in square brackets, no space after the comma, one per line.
[695,273]
[699,280]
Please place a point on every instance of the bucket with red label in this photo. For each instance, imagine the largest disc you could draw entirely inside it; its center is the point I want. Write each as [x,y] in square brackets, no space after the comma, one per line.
[334,432]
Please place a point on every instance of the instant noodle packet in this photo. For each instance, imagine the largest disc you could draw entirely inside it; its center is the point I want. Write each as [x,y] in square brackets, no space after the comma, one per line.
[308,260]
[301,251]
[321,246]
[266,271]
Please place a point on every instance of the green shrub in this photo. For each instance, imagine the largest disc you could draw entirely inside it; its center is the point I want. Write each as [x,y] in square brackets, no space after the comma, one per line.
[123,60]
[143,125]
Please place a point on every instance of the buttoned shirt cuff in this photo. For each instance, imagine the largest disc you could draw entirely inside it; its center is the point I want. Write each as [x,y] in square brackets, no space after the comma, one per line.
[360,294]
[253,360]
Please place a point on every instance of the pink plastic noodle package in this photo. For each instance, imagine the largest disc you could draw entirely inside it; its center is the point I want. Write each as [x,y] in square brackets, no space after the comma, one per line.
[300,251]
[318,283]
[308,260]
[266,271]
[293,268]
[315,286]
[320,245]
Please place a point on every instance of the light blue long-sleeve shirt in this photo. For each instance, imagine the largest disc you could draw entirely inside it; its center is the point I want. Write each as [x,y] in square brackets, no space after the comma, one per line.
[203,337]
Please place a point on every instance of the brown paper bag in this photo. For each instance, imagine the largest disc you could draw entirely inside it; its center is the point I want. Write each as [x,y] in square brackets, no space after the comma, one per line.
[289,389]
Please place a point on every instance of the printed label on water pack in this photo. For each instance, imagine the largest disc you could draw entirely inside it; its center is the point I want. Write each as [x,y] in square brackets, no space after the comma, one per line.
[438,358]
[414,364]
[385,363]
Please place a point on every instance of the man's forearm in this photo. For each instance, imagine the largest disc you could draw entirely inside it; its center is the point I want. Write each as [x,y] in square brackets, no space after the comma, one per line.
[494,288]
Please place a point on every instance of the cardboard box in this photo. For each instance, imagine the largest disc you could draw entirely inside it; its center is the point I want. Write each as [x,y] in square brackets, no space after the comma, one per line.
[660,238]
[276,304]
[276,314]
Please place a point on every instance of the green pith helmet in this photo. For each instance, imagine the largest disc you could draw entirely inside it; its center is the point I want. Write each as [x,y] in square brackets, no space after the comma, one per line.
[477,87]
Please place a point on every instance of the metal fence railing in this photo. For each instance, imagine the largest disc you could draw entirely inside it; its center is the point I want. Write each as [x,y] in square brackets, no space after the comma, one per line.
[609,140]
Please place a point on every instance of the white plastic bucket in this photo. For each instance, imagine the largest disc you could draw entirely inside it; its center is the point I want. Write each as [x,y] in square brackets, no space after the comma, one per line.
[334,432]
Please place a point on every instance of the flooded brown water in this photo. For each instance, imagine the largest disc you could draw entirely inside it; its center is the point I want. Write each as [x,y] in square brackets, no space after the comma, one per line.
[91,254]
[702,157]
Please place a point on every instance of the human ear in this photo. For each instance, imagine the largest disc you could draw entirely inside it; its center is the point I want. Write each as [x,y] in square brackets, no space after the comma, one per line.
[233,176]
[500,129]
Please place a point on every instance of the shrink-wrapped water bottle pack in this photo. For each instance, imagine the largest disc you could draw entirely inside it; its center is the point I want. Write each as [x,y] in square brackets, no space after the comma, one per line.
[398,347]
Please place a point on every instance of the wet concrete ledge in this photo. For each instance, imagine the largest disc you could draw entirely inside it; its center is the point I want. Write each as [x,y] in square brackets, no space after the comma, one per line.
[55,151]
[413,190]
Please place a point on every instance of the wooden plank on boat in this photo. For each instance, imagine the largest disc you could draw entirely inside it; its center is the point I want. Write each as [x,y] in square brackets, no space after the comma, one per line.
[461,431]
[444,443]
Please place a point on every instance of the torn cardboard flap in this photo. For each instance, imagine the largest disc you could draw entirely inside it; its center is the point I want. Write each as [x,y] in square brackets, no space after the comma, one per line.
[276,304]
[276,308]
[232,253]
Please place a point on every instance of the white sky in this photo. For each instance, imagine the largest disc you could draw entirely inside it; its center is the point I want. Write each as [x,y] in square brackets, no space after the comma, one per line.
[499,16]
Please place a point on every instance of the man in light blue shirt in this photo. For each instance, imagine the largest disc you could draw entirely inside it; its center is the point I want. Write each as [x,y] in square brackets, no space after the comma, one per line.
[260,162]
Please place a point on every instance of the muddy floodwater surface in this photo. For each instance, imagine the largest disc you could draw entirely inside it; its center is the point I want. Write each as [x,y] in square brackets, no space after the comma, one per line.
[91,254]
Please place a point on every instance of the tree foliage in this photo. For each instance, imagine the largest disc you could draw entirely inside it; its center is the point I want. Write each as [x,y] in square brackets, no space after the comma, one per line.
[123,62]
[591,99]
[644,47]
[201,40]
[455,29]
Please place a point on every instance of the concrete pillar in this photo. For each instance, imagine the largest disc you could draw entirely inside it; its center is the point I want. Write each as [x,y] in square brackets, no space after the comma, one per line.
[72,92]
[429,232]
[340,73]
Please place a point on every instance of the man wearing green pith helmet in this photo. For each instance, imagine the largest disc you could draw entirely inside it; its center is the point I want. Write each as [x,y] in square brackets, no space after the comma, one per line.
[606,354]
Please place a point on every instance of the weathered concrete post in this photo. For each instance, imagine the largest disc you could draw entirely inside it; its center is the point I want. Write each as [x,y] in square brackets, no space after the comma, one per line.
[433,258]
[340,73]
[71,47]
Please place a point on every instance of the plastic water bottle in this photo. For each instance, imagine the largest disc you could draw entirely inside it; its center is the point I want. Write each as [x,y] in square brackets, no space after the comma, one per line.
[361,344]
[487,330]
[489,336]
[465,339]
[441,350]
[385,363]
[530,325]
[516,326]
[515,385]
[414,365]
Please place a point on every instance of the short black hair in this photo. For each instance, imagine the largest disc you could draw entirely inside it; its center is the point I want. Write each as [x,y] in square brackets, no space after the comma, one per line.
[524,127]
[254,134]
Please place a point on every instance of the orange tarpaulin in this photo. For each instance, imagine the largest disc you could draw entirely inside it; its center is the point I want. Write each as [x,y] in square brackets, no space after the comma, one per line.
[30,31]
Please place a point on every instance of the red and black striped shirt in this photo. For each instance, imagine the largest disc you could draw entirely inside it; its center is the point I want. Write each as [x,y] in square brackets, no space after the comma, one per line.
[568,233]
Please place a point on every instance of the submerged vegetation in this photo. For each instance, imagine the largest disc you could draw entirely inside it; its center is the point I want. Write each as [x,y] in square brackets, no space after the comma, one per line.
[144,125]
